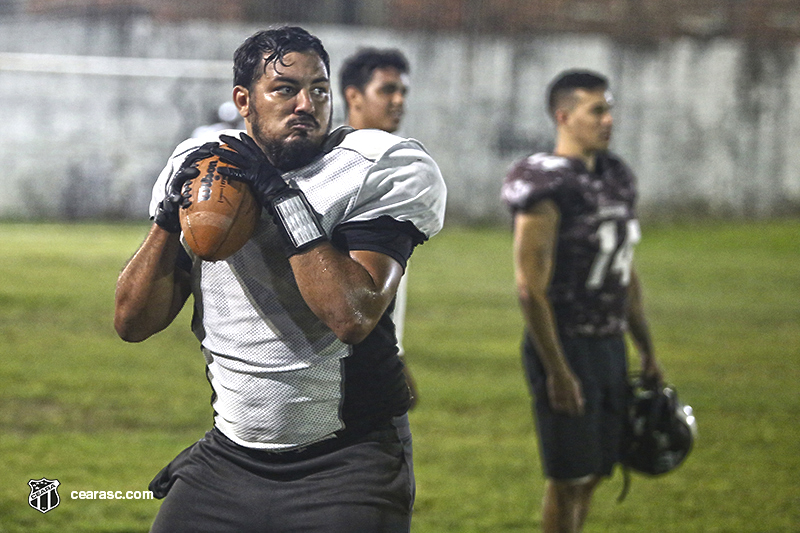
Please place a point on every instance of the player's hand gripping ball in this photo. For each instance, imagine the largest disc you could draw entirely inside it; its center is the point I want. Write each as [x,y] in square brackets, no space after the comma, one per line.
[221,214]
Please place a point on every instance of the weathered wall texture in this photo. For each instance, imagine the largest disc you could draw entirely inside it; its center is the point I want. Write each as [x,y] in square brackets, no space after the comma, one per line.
[710,126]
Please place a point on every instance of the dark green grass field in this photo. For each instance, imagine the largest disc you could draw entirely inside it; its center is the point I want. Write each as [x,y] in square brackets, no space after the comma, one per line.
[79,405]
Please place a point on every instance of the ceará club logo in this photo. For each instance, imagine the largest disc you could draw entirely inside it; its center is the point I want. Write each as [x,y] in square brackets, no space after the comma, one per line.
[44,494]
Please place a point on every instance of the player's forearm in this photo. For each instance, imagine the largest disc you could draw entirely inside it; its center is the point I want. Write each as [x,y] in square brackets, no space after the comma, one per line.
[640,331]
[148,294]
[342,292]
[542,331]
[637,322]
[534,260]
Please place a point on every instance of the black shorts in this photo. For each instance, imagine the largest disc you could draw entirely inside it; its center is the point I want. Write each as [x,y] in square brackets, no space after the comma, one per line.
[575,447]
[218,486]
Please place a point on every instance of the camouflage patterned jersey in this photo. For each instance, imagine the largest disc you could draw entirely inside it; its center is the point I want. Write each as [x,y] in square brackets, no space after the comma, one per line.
[598,230]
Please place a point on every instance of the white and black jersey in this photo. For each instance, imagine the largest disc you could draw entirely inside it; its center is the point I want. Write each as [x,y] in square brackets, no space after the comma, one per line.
[282,380]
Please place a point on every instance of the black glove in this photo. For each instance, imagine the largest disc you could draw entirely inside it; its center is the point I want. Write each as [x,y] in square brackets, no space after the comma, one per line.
[176,195]
[296,220]
[251,167]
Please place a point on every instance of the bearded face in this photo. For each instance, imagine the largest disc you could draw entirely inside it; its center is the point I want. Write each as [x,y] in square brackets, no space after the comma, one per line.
[286,153]
[288,110]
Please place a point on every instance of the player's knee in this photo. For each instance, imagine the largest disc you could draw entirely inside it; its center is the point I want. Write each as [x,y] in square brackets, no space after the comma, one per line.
[574,490]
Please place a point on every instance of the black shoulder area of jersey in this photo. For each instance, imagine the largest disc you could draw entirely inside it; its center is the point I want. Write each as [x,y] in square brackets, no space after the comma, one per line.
[617,174]
[610,161]
[335,138]
[536,178]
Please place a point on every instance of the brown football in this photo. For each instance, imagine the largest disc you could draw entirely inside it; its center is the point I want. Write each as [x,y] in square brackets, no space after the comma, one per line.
[222,215]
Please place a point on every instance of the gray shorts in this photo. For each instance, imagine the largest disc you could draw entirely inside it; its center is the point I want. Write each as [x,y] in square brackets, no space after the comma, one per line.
[215,485]
[575,447]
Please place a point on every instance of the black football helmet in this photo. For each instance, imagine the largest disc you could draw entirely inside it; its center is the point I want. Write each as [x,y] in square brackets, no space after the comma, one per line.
[659,432]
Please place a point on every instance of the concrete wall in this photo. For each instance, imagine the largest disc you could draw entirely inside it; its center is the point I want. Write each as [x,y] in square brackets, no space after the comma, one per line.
[709,126]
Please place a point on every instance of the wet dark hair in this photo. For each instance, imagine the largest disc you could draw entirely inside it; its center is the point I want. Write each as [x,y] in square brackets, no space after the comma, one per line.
[358,68]
[563,86]
[249,61]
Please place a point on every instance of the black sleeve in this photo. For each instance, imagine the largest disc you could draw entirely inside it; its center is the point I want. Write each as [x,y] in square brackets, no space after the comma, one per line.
[183,261]
[527,184]
[383,234]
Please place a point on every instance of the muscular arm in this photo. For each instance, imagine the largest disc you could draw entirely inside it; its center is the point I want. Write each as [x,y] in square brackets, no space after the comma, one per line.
[640,331]
[535,233]
[349,293]
[150,290]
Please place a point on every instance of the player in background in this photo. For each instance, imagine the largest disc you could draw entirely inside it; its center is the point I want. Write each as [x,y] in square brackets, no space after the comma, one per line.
[575,228]
[374,83]
[228,119]
[310,426]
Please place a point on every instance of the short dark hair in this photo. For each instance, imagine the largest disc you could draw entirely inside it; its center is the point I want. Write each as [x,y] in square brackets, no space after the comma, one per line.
[358,68]
[562,87]
[248,60]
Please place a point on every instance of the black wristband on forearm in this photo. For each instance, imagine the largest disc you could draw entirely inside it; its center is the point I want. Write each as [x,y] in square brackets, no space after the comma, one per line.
[297,221]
